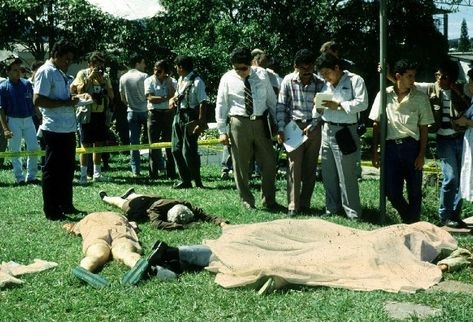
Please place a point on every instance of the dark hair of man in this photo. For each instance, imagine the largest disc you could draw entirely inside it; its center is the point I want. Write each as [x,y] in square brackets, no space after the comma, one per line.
[185,62]
[403,65]
[163,64]
[9,62]
[96,57]
[135,59]
[329,45]
[304,57]
[61,48]
[241,55]
[450,68]
[327,60]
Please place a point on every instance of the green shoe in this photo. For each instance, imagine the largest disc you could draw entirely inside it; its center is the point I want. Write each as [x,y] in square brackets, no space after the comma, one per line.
[134,275]
[90,278]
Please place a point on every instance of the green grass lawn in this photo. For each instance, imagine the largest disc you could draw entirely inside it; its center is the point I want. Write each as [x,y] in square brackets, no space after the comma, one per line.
[55,295]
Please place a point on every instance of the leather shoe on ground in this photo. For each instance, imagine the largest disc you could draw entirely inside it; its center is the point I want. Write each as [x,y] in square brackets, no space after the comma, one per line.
[274,207]
[199,184]
[127,193]
[156,257]
[74,211]
[183,185]
[457,223]
[102,194]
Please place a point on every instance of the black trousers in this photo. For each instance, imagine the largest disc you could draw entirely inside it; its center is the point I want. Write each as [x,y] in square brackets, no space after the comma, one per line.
[58,173]
[184,146]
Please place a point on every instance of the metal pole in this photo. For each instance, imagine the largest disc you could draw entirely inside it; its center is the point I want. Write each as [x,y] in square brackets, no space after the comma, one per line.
[382,87]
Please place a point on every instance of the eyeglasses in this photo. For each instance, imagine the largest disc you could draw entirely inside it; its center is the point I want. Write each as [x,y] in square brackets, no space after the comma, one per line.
[241,68]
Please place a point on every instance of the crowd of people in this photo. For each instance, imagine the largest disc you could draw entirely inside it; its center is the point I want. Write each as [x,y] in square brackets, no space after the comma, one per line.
[254,107]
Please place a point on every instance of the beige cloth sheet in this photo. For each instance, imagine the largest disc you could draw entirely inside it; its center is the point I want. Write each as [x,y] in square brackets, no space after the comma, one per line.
[320,253]
[9,270]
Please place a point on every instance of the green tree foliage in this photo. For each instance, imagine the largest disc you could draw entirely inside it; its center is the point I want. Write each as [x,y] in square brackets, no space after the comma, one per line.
[464,42]
[209,29]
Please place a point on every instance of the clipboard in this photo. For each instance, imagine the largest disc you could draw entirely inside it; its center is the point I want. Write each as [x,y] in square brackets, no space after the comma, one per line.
[320,98]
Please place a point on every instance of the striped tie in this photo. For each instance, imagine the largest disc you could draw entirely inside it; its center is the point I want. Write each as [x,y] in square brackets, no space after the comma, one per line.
[248,97]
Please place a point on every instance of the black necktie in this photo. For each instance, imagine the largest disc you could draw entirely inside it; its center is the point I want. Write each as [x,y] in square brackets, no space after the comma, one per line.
[248,97]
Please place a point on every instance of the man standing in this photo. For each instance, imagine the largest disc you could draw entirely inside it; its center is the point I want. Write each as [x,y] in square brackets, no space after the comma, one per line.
[159,88]
[409,114]
[190,102]
[96,82]
[339,165]
[133,96]
[296,103]
[16,116]
[245,95]
[52,95]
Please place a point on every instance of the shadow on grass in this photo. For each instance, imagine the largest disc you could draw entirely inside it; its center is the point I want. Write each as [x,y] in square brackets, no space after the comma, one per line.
[372,216]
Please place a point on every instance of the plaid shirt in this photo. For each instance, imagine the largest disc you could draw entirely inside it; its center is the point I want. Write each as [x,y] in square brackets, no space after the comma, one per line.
[296,100]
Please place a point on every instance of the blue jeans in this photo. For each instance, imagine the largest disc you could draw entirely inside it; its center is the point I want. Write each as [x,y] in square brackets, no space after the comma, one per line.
[449,151]
[400,168]
[136,120]
[194,255]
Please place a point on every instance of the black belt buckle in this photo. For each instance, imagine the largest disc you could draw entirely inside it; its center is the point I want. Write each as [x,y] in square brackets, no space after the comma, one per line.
[253,117]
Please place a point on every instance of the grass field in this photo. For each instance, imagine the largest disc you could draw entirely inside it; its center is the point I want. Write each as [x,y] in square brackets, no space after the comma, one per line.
[55,295]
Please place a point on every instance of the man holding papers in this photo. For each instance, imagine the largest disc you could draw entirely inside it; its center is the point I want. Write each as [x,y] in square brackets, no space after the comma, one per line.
[339,138]
[299,129]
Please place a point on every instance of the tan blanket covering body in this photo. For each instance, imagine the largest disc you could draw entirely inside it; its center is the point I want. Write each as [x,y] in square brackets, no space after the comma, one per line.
[316,252]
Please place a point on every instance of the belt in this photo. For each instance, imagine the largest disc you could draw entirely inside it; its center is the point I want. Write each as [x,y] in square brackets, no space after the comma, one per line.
[401,140]
[251,117]
[451,136]
[339,124]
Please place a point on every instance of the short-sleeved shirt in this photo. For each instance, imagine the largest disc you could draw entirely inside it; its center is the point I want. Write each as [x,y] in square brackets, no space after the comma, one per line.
[53,83]
[132,85]
[196,95]
[16,99]
[155,87]
[95,88]
[404,118]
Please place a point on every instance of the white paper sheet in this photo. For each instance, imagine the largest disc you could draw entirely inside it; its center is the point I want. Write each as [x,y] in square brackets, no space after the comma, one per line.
[320,98]
[294,137]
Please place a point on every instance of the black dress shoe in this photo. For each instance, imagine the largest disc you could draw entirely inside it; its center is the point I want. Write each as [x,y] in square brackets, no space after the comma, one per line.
[199,184]
[74,211]
[456,223]
[156,257]
[183,185]
[55,217]
[274,207]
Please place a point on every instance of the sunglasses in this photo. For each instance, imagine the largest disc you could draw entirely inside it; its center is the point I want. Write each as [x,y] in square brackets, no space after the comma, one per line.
[242,68]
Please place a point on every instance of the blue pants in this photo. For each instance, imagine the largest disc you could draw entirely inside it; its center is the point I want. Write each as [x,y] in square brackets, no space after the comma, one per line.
[449,151]
[136,120]
[400,168]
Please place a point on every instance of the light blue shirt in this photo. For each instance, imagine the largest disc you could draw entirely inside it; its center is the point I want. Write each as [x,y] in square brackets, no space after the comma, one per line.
[231,96]
[352,95]
[51,82]
[155,87]
[196,95]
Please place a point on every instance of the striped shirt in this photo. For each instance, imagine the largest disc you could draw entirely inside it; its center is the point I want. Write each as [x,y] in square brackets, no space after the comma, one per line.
[296,100]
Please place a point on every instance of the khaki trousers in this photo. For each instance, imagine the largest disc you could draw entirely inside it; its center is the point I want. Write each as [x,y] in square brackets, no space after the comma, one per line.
[248,138]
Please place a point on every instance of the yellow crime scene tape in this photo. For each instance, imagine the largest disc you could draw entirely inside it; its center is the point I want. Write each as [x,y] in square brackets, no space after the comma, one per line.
[101,149]
[160,145]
